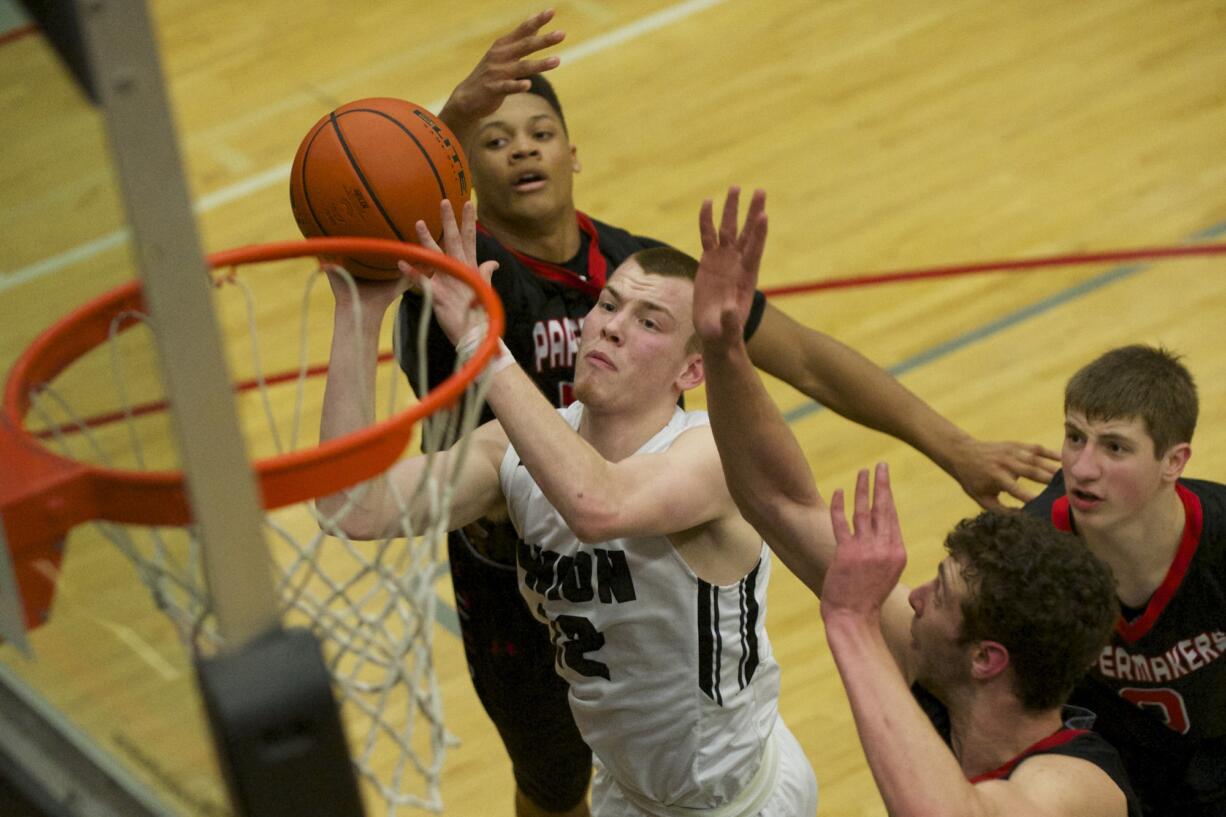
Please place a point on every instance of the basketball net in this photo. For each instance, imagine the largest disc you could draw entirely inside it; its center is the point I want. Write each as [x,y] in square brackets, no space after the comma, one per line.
[372,605]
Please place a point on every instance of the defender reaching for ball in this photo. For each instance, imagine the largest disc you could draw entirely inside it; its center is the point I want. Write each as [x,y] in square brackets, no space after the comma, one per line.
[632,551]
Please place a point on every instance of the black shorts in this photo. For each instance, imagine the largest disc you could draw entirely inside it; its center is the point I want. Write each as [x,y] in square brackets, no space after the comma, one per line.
[511,663]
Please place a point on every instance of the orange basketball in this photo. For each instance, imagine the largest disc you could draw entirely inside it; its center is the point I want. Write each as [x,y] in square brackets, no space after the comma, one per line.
[373,168]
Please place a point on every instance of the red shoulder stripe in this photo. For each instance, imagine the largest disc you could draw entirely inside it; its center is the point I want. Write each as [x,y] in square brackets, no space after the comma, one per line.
[1193,524]
[1059,738]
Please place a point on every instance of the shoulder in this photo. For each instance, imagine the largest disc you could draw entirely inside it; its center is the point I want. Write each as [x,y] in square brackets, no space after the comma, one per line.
[617,244]
[1212,498]
[1065,784]
[1041,505]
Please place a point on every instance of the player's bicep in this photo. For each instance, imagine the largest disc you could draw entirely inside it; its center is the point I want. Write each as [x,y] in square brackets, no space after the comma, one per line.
[670,491]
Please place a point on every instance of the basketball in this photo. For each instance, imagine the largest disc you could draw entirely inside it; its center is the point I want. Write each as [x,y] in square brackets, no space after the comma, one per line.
[373,168]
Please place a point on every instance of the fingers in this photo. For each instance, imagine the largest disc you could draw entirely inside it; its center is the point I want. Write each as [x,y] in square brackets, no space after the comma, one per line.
[706,225]
[468,232]
[727,225]
[1016,491]
[487,270]
[525,40]
[453,244]
[862,513]
[425,237]
[885,513]
[838,518]
[753,236]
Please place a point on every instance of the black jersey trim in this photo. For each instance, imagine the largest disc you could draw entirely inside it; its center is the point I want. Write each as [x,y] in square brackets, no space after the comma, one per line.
[708,642]
[749,627]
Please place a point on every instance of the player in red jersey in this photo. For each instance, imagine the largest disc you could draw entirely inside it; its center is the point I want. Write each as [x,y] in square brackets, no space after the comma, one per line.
[1159,687]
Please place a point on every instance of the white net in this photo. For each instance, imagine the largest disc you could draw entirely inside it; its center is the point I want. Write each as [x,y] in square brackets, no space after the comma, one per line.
[371,604]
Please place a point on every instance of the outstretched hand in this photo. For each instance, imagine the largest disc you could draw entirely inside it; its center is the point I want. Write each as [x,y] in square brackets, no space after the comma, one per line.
[728,272]
[986,469]
[502,71]
[453,299]
[868,560]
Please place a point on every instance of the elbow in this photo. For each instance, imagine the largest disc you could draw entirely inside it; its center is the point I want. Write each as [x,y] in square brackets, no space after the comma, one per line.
[335,520]
[592,519]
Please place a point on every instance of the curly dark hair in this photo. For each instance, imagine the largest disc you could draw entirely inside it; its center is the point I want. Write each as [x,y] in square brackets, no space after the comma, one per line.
[1040,593]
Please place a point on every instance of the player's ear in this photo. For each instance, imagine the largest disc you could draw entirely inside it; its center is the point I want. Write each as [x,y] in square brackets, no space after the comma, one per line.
[1174,460]
[988,659]
[575,164]
[693,374]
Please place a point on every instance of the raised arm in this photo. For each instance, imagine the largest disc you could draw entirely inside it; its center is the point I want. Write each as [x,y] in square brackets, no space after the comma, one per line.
[765,469]
[854,387]
[599,499]
[915,771]
[503,70]
[376,507]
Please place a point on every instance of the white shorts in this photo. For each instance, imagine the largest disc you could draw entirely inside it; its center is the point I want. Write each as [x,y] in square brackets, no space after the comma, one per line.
[793,793]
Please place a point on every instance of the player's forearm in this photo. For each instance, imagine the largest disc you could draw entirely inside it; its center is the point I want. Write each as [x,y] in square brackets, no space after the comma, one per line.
[765,468]
[915,771]
[852,386]
[572,474]
[462,124]
[348,406]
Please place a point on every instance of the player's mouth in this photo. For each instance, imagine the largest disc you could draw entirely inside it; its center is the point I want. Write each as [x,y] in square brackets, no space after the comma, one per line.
[600,361]
[529,181]
[1083,500]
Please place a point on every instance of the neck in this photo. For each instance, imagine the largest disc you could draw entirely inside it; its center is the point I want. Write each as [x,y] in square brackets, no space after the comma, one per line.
[1140,550]
[618,434]
[554,239]
[989,727]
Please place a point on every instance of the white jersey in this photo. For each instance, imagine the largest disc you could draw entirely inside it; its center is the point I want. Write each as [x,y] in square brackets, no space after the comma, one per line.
[672,680]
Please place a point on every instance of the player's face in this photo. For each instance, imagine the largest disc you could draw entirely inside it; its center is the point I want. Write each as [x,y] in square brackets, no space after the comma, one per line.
[633,346]
[942,660]
[1111,472]
[523,164]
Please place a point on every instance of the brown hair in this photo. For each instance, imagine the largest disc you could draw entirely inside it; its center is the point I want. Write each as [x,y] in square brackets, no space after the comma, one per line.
[1138,381]
[670,263]
[1038,592]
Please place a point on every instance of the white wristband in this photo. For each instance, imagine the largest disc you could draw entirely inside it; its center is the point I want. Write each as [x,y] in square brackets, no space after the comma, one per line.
[468,344]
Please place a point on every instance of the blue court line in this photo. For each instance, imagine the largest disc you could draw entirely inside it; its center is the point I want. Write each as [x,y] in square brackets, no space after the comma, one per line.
[1012,319]
[446,615]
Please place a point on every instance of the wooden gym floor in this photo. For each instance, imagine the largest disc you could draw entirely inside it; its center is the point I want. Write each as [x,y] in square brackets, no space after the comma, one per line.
[888,136]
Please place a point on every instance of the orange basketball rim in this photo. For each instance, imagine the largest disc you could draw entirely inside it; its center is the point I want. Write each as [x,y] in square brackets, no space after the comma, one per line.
[43,495]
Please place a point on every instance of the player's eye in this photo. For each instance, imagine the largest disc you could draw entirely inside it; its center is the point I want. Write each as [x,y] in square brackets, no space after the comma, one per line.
[496,142]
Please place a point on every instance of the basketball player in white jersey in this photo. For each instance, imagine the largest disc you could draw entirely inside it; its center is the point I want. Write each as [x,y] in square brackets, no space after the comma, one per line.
[633,553]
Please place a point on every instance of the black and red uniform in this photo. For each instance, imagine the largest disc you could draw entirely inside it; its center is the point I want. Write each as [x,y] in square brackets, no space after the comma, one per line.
[1074,739]
[510,655]
[1159,687]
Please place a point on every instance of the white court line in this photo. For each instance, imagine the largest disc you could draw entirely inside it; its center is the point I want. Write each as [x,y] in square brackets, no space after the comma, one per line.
[280,173]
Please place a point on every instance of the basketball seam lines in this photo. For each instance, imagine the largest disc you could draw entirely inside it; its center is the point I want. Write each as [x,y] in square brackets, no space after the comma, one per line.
[306,189]
[353,162]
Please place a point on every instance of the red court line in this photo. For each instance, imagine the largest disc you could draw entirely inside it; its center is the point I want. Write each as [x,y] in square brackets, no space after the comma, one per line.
[17,33]
[1143,254]
[872,279]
